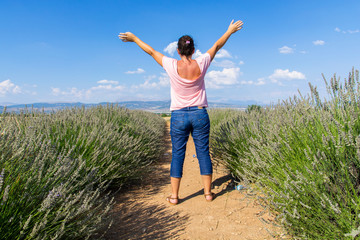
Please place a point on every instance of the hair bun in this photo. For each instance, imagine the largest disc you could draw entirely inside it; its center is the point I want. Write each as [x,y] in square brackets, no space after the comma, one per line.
[186,46]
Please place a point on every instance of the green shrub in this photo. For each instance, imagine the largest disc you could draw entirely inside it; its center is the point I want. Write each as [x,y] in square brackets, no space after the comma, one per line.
[165,115]
[304,154]
[253,107]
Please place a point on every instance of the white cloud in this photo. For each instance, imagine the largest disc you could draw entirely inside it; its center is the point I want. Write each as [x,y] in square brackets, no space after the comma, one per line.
[286,50]
[171,48]
[148,84]
[138,71]
[259,82]
[71,92]
[241,63]
[246,82]
[346,31]
[280,74]
[224,63]
[107,87]
[222,53]
[108,82]
[150,77]
[55,91]
[8,87]
[16,90]
[217,79]
[29,89]
[164,80]
[197,54]
[319,42]
[104,89]
[76,92]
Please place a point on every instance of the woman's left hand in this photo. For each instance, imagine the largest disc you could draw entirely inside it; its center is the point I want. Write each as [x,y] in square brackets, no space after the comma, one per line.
[234,27]
[127,37]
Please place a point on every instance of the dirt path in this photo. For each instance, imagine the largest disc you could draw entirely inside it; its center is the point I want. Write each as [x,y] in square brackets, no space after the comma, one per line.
[143,213]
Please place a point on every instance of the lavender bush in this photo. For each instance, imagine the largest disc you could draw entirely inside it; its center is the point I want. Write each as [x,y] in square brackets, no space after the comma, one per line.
[304,155]
[57,169]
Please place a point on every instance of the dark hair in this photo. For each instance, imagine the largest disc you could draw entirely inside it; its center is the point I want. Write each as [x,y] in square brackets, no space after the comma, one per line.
[186,45]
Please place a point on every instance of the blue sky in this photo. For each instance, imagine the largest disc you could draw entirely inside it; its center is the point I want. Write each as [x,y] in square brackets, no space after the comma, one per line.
[68,51]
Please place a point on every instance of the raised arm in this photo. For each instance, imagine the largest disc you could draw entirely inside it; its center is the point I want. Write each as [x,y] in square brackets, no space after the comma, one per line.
[233,28]
[130,37]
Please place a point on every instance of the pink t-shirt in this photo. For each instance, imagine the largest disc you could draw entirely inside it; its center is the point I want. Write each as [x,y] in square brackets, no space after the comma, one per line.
[185,92]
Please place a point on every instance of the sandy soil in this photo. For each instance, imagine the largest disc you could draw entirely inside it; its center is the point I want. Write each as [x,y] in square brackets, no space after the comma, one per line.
[143,213]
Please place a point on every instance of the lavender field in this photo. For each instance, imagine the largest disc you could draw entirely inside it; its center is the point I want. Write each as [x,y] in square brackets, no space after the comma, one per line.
[303,155]
[58,170]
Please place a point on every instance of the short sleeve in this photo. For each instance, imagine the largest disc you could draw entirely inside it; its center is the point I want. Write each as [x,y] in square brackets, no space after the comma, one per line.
[204,61]
[166,62]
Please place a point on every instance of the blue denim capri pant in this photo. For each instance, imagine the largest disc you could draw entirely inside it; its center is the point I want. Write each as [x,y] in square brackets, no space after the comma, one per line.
[194,120]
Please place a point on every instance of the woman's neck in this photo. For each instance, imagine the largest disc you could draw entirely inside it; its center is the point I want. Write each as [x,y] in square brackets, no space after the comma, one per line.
[186,59]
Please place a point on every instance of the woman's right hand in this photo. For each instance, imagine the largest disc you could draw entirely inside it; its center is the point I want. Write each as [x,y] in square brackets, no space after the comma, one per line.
[234,27]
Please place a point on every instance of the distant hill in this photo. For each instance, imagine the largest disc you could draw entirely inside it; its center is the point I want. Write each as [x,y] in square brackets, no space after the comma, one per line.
[153,106]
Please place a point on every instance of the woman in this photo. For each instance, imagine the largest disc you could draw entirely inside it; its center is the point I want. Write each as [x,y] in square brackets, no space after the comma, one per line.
[188,104]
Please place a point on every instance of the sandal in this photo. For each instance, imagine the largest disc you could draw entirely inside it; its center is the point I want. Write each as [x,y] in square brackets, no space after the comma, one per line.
[211,194]
[169,198]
